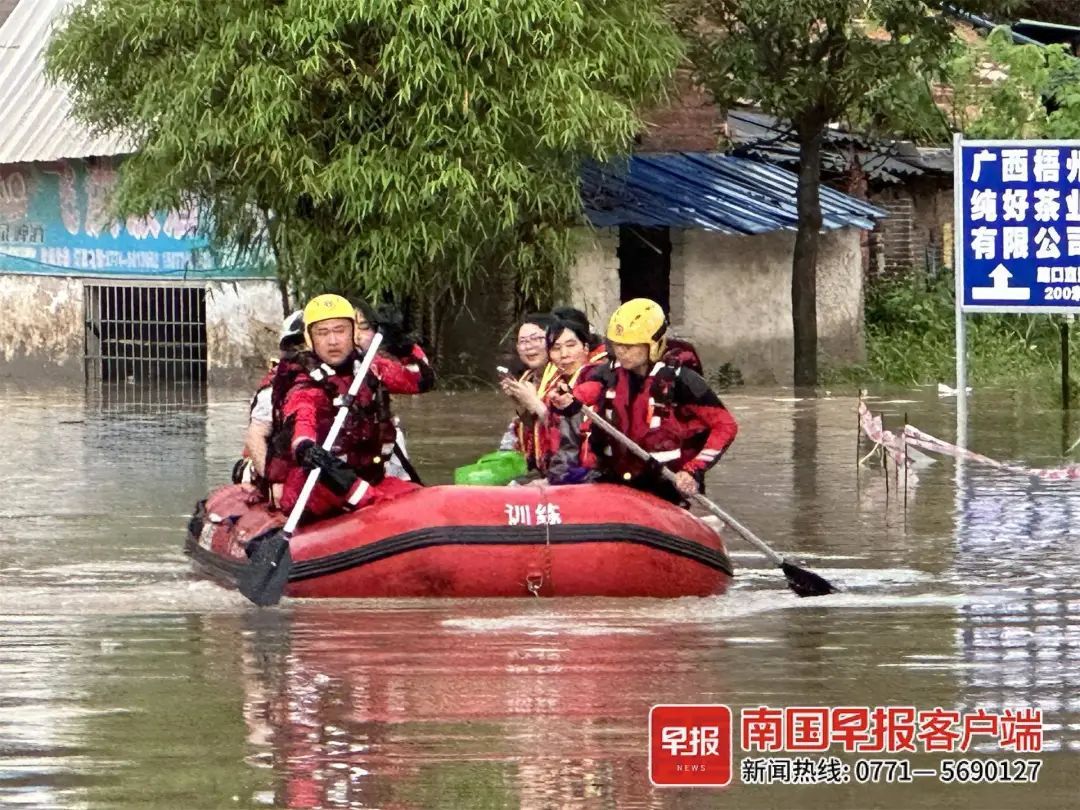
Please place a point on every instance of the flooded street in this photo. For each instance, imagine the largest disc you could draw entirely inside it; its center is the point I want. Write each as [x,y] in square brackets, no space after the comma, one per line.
[127,682]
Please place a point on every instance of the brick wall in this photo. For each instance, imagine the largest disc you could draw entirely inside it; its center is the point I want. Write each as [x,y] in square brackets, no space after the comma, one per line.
[912,237]
[891,242]
[689,122]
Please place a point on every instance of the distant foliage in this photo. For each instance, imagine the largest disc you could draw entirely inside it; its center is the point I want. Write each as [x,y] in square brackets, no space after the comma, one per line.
[805,60]
[910,339]
[991,88]
[813,63]
[1065,12]
[390,145]
[1004,90]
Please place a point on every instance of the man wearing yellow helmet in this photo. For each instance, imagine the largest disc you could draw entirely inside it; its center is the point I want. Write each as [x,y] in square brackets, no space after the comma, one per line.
[353,471]
[669,410]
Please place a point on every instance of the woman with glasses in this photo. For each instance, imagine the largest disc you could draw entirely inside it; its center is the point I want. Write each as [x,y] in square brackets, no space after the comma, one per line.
[568,343]
[529,389]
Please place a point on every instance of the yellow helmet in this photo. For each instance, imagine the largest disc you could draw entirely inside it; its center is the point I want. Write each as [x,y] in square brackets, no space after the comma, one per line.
[325,308]
[640,320]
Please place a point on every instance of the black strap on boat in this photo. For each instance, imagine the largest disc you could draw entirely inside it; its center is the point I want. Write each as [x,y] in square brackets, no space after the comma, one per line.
[565,534]
[406,465]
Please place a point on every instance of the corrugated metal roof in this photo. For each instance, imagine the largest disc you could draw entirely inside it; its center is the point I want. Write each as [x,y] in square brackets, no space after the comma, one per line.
[765,137]
[37,124]
[710,191]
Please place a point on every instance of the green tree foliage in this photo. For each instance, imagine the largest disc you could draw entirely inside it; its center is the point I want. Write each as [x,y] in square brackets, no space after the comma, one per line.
[989,88]
[813,62]
[1003,90]
[374,145]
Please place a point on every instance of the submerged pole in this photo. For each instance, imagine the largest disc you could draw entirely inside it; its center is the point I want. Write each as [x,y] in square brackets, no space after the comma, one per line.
[1063,327]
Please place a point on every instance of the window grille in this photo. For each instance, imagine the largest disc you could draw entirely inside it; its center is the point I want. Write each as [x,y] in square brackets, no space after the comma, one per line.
[148,338]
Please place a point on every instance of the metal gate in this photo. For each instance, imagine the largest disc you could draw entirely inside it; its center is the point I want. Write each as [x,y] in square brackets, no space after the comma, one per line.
[145,334]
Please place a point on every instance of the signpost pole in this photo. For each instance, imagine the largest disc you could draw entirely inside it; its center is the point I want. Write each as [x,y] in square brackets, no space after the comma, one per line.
[1064,327]
[958,272]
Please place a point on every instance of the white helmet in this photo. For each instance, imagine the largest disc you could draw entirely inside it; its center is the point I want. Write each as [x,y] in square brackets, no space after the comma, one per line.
[292,331]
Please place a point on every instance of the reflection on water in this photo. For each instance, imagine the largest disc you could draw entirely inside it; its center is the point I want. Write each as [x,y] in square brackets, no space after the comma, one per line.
[1016,544]
[125,682]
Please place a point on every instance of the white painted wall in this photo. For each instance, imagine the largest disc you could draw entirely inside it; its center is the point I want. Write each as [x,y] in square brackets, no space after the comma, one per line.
[594,278]
[243,321]
[737,303]
[42,330]
[731,296]
[41,326]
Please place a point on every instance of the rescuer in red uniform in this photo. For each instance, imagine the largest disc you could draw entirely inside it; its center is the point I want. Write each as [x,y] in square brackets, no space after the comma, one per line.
[669,410]
[353,471]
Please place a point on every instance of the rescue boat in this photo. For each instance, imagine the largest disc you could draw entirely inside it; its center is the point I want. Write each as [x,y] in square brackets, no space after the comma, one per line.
[477,541]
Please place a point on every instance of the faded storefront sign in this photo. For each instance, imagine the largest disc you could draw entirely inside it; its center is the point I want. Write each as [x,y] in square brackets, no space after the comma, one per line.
[55,219]
[59,242]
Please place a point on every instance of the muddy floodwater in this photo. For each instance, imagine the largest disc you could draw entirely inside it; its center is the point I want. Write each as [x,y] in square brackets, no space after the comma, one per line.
[125,681]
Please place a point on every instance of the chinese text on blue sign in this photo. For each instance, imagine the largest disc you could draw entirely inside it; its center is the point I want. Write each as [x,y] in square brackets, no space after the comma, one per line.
[1018,205]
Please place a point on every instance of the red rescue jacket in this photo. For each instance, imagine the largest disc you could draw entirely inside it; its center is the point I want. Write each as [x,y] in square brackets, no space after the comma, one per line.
[672,413]
[679,352]
[367,437]
[281,380]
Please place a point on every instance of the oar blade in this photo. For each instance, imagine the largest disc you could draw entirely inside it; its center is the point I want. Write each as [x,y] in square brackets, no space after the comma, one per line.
[264,578]
[806,583]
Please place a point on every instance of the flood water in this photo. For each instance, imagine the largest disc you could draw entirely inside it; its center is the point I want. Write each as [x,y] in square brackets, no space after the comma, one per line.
[127,682]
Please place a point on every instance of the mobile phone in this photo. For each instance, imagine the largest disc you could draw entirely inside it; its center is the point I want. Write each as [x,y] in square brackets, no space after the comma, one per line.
[504,372]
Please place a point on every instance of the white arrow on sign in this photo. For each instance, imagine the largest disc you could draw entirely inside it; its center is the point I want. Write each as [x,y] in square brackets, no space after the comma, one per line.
[1001,291]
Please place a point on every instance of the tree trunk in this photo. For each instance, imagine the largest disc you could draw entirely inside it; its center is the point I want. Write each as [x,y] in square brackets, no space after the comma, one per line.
[280,268]
[804,263]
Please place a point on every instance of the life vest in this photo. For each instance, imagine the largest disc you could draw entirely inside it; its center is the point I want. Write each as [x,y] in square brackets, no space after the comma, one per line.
[367,436]
[281,380]
[530,431]
[643,409]
[546,435]
[679,352]
[598,354]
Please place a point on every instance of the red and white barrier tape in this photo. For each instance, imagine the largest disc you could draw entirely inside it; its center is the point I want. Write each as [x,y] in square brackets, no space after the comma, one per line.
[913,437]
[875,431]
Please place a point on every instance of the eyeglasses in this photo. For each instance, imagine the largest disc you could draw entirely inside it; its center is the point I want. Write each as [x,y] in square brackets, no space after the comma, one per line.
[529,341]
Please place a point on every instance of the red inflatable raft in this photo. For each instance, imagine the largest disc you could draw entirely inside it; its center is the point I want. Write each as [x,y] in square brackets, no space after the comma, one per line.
[456,541]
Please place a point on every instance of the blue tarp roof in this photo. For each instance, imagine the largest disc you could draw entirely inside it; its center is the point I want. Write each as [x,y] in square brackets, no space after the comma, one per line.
[710,191]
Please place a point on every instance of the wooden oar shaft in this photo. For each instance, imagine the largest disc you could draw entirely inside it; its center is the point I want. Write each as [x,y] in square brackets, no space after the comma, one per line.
[668,475]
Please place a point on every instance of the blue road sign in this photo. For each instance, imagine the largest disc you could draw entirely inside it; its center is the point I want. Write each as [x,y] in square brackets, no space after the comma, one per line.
[1018,226]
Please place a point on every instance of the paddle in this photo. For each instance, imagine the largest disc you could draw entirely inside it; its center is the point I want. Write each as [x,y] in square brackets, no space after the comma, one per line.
[264,579]
[801,581]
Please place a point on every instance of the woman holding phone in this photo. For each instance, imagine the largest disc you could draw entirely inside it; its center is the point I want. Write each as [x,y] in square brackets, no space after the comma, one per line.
[567,348]
[532,352]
